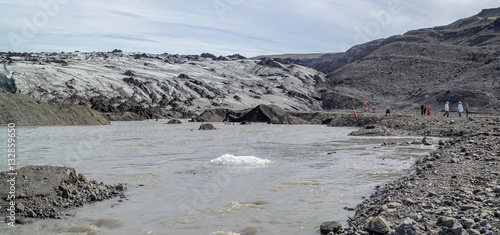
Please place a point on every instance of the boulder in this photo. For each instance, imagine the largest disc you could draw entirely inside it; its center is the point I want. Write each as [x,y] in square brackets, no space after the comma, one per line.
[378,225]
[330,226]
[427,141]
[206,126]
[448,222]
[174,121]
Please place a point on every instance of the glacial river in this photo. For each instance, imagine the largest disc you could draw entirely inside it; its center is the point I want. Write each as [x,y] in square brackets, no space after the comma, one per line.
[246,179]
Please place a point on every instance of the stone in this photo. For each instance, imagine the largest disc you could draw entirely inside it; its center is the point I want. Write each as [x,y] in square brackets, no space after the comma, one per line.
[93,197]
[330,226]
[467,223]
[206,126]
[483,223]
[406,229]
[174,121]
[427,141]
[468,207]
[31,213]
[393,205]
[448,221]
[20,207]
[474,232]
[408,202]
[121,187]
[457,229]
[378,225]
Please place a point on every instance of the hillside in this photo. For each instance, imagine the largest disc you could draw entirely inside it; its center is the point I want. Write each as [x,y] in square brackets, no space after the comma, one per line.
[457,62]
[303,57]
[23,110]
[156,86]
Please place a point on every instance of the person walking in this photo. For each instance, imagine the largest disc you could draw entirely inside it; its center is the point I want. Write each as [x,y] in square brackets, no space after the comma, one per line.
[425,109]
[460,109]
[447,109]
[422,109]
[467,110]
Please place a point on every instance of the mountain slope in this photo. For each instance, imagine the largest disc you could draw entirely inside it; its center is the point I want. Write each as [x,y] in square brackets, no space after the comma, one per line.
[457,62]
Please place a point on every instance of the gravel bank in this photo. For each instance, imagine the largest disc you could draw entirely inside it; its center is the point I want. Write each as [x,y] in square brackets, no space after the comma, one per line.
[45,191]
[453,190]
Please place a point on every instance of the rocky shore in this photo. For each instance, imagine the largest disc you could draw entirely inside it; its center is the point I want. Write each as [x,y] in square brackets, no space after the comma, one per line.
[453,190]
[46,191]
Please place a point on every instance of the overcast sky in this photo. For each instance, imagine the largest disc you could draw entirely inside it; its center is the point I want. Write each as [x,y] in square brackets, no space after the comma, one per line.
[221,27]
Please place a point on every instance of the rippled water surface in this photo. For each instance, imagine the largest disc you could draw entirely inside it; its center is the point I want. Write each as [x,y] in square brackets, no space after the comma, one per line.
[249,179]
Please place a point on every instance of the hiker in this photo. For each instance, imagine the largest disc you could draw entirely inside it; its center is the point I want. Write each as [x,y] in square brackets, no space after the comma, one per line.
[422,109]
[428,111]
[467,110]
[460,109]
[425,109]
[387,112]
[355,114]
[366,106]
[447,109]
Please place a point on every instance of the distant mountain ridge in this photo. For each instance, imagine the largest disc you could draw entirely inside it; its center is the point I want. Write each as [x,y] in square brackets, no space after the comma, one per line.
[456,62]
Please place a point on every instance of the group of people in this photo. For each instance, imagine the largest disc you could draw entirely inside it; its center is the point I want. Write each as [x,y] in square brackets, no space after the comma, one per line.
[387,111]
[425,110]
[460,109]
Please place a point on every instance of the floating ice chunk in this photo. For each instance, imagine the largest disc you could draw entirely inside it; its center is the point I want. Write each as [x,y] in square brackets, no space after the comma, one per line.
[231,160]
[224,233]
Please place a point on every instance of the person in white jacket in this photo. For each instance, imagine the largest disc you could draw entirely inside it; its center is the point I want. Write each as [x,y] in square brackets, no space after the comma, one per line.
[447,109]
[460,109]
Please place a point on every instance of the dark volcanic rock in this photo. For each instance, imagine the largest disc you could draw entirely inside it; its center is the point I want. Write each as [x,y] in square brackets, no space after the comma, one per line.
[330,226]
[174,121]
[206,126]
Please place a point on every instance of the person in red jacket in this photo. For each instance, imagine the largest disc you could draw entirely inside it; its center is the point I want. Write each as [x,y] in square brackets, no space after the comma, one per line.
[428,110]
[355,114]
